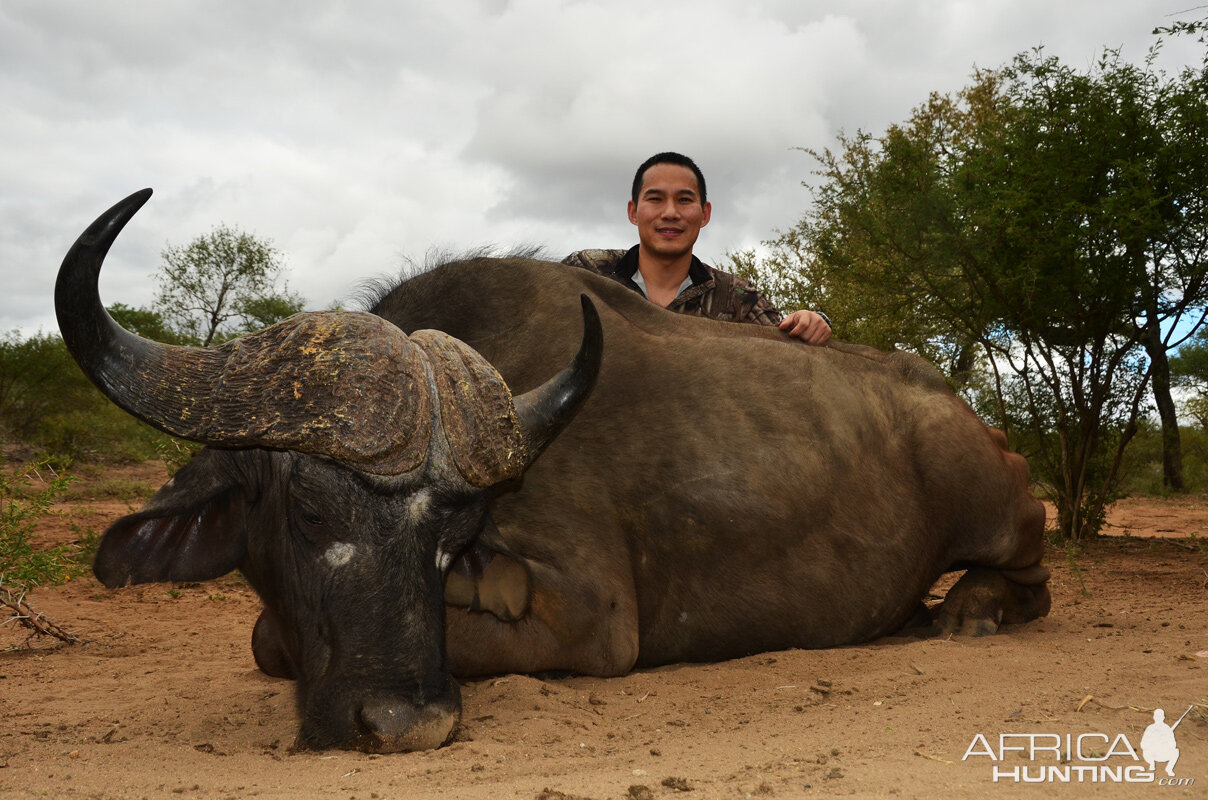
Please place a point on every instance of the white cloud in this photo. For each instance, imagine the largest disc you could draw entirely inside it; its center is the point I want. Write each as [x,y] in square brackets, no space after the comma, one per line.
[352,133]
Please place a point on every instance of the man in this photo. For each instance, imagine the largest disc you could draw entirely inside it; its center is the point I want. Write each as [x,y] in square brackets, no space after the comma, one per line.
[669,206]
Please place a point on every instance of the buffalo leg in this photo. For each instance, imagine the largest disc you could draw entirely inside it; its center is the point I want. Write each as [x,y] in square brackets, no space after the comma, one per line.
[568,625]
[983,599]
[1005,582]
[920,622]
[482,579]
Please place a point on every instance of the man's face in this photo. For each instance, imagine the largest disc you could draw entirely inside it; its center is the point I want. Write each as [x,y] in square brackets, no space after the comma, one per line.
[669,213]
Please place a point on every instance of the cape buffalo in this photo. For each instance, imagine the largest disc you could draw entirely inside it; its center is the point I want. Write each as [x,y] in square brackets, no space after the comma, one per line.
[722,490]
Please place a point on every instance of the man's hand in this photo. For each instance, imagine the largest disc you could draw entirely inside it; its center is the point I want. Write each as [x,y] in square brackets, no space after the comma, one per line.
[807,326]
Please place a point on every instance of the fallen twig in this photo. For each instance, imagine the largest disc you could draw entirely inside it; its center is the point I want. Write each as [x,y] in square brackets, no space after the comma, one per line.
[38,623]
[933,758]
[1090,698]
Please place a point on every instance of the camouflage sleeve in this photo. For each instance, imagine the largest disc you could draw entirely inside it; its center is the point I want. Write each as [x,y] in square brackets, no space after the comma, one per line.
[751,306]
[763,312]
[600,262]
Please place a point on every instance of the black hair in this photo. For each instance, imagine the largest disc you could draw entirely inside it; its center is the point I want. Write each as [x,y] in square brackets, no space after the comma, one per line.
[668,158]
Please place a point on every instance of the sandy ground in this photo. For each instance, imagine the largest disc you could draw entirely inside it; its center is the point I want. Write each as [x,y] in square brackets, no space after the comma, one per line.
[164,700]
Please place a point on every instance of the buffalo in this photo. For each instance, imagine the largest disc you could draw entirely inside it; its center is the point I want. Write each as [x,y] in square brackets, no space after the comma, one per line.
[517,466]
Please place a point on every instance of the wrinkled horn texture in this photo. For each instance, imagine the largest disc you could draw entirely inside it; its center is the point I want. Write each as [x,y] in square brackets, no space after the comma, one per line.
[476,411]
[346,385]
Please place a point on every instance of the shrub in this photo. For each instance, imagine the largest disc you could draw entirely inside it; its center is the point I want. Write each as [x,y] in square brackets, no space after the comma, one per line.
[46,401]
[21,565]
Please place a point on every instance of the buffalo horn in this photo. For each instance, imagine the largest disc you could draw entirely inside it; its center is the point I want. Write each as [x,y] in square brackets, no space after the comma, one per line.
[545,411]
[492,436]
[345,385]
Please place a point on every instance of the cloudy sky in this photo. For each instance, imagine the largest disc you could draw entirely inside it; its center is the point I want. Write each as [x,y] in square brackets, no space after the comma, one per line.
[357,134]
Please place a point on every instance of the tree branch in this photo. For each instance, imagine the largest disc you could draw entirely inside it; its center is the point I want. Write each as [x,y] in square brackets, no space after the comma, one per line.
[23,614]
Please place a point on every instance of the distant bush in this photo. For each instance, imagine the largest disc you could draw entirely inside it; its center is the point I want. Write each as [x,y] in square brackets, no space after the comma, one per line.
[37,378]
[48,403]
[1142,467]
[105,433]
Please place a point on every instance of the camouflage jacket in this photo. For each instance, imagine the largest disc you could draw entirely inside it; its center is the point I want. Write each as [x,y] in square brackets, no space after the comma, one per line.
[713,293]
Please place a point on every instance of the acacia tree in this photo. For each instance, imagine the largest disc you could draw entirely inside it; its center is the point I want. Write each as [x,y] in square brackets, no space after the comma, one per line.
[1034,216]
[1165,124]
[223,284]
[856,253]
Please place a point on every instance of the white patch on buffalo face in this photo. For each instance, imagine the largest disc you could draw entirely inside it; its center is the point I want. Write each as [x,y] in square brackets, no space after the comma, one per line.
[443,560]
[417,505]
[339,554]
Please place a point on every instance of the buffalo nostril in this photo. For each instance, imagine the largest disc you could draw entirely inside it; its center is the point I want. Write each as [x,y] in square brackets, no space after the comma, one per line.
[396,727]
[381,719]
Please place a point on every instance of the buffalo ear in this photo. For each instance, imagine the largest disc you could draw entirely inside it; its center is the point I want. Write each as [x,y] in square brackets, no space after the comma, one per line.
[193,529]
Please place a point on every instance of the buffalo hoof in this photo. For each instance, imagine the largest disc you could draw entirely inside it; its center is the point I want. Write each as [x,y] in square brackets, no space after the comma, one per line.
[984,599]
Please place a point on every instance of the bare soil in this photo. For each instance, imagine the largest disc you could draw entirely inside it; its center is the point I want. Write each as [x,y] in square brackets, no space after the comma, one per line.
[164,700]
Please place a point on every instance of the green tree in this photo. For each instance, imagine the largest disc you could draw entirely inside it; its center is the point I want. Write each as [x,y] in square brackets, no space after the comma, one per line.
[221,285]
[1049,218]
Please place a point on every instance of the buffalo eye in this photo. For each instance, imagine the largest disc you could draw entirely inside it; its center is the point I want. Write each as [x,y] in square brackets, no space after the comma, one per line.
[309,521]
